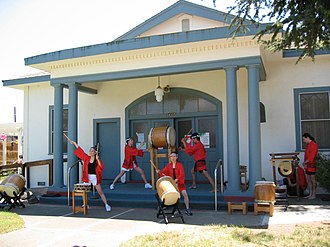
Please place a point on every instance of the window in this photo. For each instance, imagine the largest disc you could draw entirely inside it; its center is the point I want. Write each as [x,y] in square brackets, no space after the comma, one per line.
[314,116]
[173,103]
[262,113]
[185,25]
[51,128]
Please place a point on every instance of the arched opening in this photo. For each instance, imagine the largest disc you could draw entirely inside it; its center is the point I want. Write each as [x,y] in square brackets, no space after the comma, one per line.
[181,109]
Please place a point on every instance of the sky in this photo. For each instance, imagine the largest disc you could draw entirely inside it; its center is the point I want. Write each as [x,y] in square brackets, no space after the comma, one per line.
[34,27]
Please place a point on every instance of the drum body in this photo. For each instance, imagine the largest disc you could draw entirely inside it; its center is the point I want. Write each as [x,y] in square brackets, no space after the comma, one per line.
[264,191]
[162,137]
[82,187]
[12,185]
[167,190]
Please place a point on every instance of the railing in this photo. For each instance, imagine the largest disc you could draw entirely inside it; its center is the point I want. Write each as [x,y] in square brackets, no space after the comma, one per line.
[68,178]
[26,169]
[219,164]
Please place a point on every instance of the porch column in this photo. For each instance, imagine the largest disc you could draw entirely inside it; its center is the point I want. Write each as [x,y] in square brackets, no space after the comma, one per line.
[58,136]
[254,126]
[232,129]
[72,131]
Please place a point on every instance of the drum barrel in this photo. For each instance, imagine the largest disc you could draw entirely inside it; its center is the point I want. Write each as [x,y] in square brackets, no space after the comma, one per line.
[12,185]
[264,192]
[162,136]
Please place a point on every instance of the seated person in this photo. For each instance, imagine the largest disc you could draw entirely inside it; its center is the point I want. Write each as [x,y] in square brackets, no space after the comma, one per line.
[290,182]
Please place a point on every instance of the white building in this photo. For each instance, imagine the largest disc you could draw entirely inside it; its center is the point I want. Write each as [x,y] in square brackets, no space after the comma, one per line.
[104,93]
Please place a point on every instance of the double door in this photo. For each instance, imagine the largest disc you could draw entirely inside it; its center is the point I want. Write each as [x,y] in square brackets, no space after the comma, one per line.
[206,126]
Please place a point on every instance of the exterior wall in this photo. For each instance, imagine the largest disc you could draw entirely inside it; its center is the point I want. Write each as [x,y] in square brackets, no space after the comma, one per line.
[283,75]
[37,99]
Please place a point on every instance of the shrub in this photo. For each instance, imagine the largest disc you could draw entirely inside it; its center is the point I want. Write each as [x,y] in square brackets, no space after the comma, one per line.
[323,171]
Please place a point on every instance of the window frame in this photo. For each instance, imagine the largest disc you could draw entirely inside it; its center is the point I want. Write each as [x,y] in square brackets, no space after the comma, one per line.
[51,125]
[297,113]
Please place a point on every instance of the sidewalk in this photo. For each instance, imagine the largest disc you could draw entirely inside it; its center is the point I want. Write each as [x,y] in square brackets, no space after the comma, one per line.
[56,225]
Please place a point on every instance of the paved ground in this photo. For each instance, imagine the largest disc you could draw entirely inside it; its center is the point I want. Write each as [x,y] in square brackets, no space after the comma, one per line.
[56,225]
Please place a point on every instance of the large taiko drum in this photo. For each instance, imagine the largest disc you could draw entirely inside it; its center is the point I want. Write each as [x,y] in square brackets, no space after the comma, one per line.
[264,191]
[12,185]
[161,137]
[167,190]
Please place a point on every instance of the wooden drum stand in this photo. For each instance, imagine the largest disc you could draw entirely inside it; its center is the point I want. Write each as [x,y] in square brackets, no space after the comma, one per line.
[154,155]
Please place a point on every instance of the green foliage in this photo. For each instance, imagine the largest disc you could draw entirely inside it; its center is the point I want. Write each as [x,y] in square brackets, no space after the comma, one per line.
[304,24]
[323,171]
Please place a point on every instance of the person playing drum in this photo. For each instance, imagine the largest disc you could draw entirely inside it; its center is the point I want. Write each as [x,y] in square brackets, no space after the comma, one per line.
[93,168]
[199,153]
[130,163]
[175,170]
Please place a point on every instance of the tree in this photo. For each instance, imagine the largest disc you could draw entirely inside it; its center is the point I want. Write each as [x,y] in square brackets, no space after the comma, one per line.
[304,24]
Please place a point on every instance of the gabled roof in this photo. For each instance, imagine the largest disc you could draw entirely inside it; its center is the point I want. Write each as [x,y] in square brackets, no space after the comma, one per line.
[179,7]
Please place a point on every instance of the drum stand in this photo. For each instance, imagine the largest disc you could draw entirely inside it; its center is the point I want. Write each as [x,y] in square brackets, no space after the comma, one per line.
[12,201]
[162,210]
[281,194]
[155,155]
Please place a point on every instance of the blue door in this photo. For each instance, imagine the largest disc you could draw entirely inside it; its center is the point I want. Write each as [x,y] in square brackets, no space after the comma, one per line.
[107,134]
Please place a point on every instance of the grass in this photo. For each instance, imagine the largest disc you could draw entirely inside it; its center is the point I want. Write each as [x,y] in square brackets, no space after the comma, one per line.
[10,222]
[219,235]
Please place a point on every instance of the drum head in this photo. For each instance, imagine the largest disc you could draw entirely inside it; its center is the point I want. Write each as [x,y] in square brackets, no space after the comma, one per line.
[170,197]
[10,189]
[265,182]
[150,137]
[170,136]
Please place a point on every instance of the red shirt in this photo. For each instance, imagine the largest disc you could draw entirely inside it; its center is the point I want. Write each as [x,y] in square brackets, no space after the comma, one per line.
[130,157]
[179,174]
[197,150]
[310,155]
[86,159]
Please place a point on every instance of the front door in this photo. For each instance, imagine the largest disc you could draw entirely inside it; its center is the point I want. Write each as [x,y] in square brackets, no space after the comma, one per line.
[107,135]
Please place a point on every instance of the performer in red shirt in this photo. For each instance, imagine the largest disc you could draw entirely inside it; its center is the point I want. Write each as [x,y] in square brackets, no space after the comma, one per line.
[92,171]
[199,153]
[175,170]
[310,164]
[130,163]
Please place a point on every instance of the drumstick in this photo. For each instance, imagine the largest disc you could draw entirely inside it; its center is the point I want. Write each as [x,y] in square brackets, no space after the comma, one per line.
[67,137]
[189,131]
[97,148]
[152,163]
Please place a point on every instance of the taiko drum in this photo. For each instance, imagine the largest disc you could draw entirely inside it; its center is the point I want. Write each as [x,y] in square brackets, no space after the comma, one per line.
[12,185]
[264,191]
[162,137]
[167,190]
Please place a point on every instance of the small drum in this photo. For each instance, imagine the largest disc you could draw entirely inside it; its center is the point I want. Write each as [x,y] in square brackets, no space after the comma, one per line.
[167,190]
[12,185]
[82,187]
[264,191]
[162,137]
